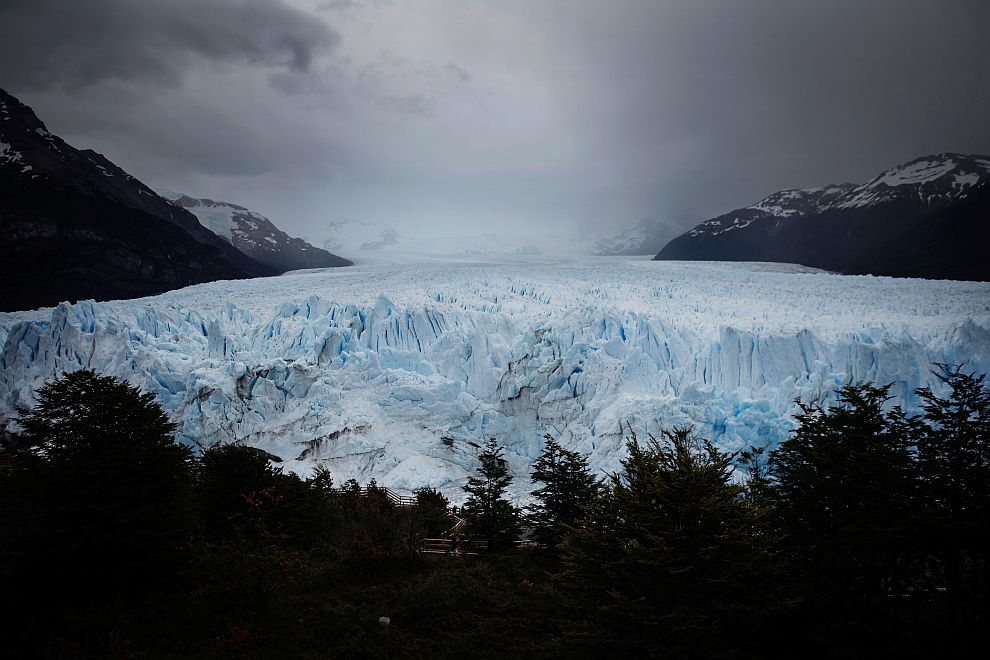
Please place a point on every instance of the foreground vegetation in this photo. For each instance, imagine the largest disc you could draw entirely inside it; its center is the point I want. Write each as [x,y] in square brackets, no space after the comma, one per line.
[865,534]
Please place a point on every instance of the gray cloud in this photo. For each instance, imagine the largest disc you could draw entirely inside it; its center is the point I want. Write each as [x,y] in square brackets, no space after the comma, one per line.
[459,72]
[517,113]
[53,43]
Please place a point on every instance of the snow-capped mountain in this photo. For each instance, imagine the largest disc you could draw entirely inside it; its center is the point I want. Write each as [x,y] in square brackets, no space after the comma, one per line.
[647,237]
[74,225]
[930,181]
[929,217]
[254,234]
[353,236]
[784,204]
[398,372]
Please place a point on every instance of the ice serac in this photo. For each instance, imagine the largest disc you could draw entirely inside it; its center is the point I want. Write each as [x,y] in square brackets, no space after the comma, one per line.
[400,372]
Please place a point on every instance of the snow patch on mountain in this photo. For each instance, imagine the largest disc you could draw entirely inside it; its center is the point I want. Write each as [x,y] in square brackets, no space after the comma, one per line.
[398,372]
[254,234]
[784,205]
[933,179]
[8,154]
[223,219]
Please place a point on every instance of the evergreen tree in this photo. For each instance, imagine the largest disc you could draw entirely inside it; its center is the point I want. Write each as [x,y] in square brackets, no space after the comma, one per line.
[489,515]
[954,466]
[844,492]
[322,481]
[111,487]
[954,445]
[672,558]
[431,517]
[759,488]
[242,494]
[568,488]
[843,484]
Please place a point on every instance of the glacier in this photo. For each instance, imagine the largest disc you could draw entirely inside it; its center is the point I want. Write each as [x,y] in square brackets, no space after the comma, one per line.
[398,372]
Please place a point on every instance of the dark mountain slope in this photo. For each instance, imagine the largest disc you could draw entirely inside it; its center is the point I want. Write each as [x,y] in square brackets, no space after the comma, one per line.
[926,218]
[73,225]
[255,235]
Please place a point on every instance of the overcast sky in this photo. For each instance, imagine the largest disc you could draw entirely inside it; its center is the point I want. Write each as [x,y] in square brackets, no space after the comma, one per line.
[468,115]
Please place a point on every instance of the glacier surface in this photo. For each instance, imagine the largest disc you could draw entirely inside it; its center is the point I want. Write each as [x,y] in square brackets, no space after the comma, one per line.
[399,371]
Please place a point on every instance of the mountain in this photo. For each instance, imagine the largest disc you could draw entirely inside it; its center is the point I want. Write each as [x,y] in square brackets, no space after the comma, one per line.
[647,237]
[254,234]
[928,218]
[351,236]
[75,226]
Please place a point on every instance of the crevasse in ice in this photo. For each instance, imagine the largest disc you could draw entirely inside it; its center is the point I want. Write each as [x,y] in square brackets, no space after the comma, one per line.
[399,371]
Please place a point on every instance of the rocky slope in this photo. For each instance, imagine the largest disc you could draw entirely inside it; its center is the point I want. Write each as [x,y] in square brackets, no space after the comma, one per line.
[254,234]
[75,226]
[929,218]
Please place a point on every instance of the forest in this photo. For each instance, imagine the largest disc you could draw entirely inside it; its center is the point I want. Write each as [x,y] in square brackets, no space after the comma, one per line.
[864,534]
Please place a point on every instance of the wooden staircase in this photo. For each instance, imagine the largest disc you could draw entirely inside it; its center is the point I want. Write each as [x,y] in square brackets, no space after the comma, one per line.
[391,495]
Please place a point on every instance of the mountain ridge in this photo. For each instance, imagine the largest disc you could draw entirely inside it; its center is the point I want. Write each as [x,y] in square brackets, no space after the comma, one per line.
[928,217]
[77,226]
[254,234]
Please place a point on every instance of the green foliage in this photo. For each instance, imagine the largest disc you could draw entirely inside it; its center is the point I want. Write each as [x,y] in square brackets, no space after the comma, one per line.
[322,481]
[954,465]
[366,526]
[110,488]
[243,495]
[489,515]
[759,488]
[843,486]
[568,487]
[671,552]
[878,521]
[954,445]
[430,516]
[886,518]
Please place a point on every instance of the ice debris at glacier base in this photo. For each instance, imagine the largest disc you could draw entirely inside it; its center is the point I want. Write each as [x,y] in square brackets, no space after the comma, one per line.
[398,372]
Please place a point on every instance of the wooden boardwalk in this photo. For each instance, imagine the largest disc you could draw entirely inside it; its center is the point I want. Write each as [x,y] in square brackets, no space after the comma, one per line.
[452,545]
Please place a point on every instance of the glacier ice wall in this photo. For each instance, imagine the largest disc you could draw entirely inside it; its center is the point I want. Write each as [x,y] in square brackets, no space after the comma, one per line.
[399,372]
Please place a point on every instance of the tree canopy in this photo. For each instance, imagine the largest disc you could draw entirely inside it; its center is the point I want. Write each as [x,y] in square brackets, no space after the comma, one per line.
[568,488]
[671,551]
[112,486]
[489,514]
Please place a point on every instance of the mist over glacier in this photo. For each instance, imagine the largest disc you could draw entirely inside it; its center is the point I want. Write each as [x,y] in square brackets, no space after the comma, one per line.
[398,371]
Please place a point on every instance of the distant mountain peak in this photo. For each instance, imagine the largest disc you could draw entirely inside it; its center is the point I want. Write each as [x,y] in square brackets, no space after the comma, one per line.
[355,235]
[931,179]
[254,234]
[645,237]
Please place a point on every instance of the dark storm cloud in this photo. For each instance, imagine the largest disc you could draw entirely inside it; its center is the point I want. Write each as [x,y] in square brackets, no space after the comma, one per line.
[420,112]
[722,102]
[75,44]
